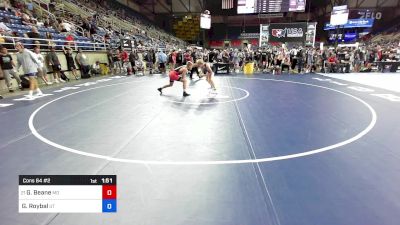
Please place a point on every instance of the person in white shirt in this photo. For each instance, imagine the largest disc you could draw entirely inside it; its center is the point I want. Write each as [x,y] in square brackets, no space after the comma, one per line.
[96,68]
[66,27]
[29,64]
[42,70]
[398,52]
[4,27]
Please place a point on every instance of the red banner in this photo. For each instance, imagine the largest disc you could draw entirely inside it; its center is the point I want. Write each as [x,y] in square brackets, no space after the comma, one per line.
[216,43]
[236,43]
[254,42]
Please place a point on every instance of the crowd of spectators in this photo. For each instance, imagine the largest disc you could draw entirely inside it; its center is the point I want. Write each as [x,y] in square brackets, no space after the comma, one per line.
[65,27]
[142,31]
[272,59]
[299,59]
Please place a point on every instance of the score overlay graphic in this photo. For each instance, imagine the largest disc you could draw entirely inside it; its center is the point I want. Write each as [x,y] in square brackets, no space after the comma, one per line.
[67,194]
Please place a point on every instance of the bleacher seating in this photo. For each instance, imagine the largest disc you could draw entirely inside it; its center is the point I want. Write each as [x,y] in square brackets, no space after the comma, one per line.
[138,29]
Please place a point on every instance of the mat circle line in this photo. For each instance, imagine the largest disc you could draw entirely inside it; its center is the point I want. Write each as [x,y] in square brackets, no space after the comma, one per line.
[215,162]
[247,94]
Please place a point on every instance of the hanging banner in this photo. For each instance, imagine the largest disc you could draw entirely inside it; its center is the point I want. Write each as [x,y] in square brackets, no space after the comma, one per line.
[347,37]
[264,34]
[287,32]
[249,35]
[352,23]
[310,36]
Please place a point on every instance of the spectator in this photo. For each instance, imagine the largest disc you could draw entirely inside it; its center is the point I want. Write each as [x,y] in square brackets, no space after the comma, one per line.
[139,66]
[2,38]
[93,26]
[25,19]
[148,58]
[125,60]
[70,61]
[29,6]
[153,56]
[50,41]
[52,5]
[29,65]
[4,27]
[96,68]
[187,57]
[225,56]
[65,26]
[8,68]
[110,60]
[286,63]
[117,62]
[70,40]
[5,5]
[107,37]
[173,59]
[6,19]
[310,58]
[332,63]
[300,56]
[83,63]
[132,58]
[42,70]
[55,64]
[86,26]
[46,23]
[162,60]
[4,41]
[34,34]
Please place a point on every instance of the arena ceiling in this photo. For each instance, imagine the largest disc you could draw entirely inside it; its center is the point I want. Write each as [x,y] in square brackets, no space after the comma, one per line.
[197,6]
[171,6]
[316,10]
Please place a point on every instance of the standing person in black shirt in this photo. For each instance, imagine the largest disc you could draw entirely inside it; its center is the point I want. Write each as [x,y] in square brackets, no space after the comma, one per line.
[179,59]
[206,56]
[154,57]
[265,55]
[193,55]
[270,57]
[257,60]
[110,60]
[299,60]
[211,57]
[357,60]
[70,61]
[148,58]
[7,66]
[225,57]
[264,59]
[117,61]
[54,62]
[132,58]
